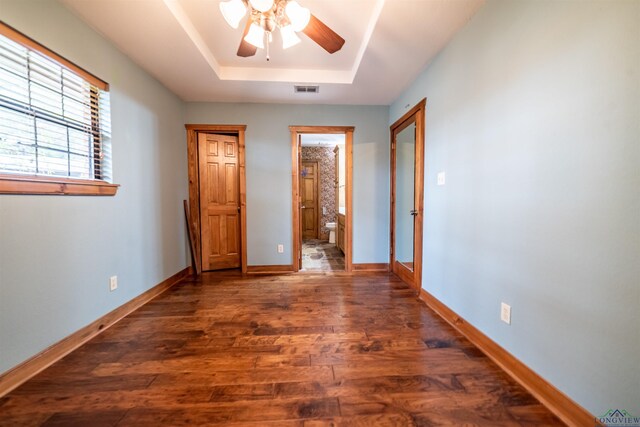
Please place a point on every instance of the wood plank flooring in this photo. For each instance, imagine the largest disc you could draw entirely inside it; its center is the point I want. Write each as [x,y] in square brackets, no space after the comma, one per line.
[291,350]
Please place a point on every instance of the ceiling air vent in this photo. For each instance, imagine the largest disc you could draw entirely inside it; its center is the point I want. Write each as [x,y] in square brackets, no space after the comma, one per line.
[306,89]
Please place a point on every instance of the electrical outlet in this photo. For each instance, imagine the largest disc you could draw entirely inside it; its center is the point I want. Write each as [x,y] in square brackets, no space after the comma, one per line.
[441,178]
[505,313]
[280,248]
[113,283]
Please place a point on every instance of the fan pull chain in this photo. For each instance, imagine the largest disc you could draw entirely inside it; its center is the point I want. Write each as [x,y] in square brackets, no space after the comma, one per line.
[268,35]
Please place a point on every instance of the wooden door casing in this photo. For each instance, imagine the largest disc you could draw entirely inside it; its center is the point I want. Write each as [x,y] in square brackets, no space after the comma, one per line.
[415,115]
[309,199]
[336,181]
[296,240]
[219,201]
[297,201]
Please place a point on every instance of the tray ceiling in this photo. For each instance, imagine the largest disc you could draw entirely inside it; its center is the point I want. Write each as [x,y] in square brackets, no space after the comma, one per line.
[187,45]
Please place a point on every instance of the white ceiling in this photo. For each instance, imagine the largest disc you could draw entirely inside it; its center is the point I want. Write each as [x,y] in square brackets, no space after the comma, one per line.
[321,139]
[187,45]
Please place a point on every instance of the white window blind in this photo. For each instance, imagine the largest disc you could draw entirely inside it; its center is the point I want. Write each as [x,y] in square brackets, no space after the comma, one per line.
[53,122]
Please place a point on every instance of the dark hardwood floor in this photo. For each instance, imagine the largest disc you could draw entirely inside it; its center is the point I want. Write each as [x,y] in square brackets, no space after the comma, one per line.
[293,350]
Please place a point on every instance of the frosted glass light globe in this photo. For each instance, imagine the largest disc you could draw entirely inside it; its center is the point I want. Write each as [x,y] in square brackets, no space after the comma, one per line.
[255,36]
[233,11]
[298,15]
[289,37]
[261,5]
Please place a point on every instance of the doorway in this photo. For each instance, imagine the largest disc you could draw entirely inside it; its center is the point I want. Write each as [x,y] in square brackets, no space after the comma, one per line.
[217,195]
[321,197]
[407,194]
[321,182]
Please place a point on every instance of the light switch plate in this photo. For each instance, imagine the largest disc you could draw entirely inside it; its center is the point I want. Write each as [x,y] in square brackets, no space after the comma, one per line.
[441,178]
[505,313]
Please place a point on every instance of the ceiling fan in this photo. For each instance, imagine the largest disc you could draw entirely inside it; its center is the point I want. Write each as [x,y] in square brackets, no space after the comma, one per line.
[267,15]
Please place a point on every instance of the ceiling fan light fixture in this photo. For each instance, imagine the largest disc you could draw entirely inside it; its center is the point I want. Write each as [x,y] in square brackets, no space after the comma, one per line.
[261,5]
[298,15]
[255,36]
[289,37]
[266,16]
[233,11]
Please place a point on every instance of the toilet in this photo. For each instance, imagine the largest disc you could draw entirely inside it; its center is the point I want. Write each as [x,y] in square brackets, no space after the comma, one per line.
[332,231]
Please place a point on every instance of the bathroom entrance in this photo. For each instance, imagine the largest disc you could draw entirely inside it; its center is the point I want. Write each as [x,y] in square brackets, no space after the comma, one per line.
[322,196]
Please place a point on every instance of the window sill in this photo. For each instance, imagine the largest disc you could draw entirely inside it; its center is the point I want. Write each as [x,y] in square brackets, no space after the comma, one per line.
[33,184]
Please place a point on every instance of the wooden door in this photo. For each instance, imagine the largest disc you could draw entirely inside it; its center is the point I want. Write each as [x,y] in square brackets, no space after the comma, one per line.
[219,201]
[309,199]
[407,191]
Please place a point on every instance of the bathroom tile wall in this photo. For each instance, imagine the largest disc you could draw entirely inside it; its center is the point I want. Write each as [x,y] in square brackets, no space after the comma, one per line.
[326,159]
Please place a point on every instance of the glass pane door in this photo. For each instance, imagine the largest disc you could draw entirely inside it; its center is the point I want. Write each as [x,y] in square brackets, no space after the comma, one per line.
[404,209]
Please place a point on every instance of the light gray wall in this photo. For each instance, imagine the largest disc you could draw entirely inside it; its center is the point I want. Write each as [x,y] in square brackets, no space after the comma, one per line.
[57,252]
[268,168]
[533,111]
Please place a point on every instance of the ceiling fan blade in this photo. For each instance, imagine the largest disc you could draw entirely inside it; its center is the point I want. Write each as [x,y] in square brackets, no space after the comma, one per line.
[317,31]
[246,49]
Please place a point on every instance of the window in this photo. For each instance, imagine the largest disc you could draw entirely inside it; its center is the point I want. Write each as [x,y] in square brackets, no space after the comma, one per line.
[55,132]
